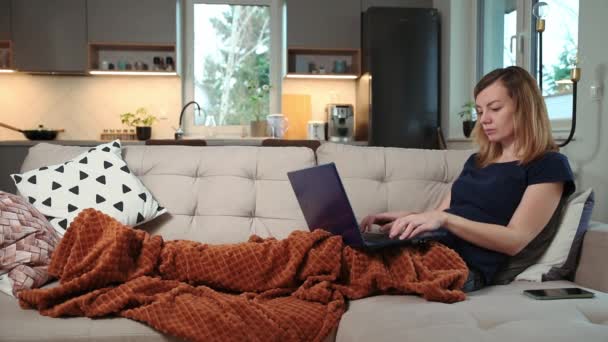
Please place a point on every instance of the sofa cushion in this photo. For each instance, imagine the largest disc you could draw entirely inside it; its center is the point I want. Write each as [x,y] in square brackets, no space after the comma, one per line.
[496,313]
[17,324]
[214,194]
[98,178]
[378,179]
[561,257]
[533,251]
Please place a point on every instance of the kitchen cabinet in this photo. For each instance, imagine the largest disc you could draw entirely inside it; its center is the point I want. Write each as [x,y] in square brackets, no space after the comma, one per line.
[324,24]
[6,50]
[132,21]
[5,19]
[130,35]
[323,63]
[323,38]
[365,4]
[49,36]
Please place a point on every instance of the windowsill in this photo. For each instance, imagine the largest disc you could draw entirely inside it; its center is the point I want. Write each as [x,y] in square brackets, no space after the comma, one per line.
[460,139]
[561,130]
[562,138]
[558,136]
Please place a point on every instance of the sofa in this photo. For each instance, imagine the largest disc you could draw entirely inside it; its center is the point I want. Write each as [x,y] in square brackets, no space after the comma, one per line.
[224,194]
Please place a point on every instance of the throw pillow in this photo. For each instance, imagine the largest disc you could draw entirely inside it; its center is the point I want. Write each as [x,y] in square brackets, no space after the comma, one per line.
[533,251]
[561,258]
[26,243]
[98,179]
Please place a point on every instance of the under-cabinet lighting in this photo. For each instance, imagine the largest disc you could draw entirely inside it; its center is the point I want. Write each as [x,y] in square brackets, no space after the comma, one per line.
[318,76]
[6,71]
[133,73]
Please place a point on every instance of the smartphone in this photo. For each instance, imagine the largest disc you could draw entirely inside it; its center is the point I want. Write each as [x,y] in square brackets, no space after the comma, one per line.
[560,293]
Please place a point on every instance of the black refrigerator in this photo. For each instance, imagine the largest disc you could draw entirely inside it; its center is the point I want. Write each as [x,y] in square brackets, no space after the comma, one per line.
[400,48]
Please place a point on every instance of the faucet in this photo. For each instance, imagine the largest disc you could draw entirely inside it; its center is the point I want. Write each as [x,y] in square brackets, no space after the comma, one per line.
[179,132]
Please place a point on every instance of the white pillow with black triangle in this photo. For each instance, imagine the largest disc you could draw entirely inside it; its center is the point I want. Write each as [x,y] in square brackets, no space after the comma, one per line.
[99,179]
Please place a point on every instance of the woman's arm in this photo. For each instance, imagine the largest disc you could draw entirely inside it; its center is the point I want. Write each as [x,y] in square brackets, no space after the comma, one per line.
[445,202]
[533,213]
[386,219]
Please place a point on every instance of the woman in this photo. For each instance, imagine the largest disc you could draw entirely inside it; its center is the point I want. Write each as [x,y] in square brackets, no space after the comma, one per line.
[508,191]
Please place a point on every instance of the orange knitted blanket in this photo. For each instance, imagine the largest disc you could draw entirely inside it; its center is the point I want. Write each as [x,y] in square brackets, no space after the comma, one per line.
[264,289]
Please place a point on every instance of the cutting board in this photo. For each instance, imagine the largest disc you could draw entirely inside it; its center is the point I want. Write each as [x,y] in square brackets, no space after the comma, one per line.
[297,109]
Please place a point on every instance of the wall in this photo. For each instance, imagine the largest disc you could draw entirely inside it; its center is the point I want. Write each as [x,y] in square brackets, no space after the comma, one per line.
[322,92]
[588,155]
[84,106]
[458,61]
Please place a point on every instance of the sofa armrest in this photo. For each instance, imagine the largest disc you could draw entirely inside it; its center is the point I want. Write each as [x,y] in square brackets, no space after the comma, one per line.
[592,271]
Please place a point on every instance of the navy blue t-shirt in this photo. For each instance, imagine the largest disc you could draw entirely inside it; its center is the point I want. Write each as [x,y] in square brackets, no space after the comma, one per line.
[492,193]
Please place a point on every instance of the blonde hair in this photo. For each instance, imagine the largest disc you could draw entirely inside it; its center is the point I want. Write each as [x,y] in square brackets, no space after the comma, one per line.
[531,123]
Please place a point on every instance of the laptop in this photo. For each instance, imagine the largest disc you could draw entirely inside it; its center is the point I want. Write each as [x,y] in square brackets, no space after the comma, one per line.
[325,205]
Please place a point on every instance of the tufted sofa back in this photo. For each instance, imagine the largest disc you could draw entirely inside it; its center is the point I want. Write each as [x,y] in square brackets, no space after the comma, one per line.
[223,194]
[379,179]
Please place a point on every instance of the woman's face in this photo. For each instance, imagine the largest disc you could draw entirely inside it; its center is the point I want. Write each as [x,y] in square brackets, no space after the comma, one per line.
[495,110]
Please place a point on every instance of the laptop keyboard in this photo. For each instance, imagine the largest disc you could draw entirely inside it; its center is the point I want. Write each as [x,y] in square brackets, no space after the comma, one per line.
[375,237]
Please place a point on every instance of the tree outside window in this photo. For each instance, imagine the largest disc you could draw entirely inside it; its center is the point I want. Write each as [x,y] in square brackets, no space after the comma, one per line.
[231,53]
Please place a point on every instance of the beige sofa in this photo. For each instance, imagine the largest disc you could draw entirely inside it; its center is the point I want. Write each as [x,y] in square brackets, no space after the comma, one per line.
[224,194]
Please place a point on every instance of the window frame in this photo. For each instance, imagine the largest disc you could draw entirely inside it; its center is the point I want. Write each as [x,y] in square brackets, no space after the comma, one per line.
[276,59]
[526,55]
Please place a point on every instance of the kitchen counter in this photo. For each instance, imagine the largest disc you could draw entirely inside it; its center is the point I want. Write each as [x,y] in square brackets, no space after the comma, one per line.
[210,142]
[63,142]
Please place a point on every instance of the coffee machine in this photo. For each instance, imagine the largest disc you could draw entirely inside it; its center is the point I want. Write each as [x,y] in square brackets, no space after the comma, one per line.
[341,122]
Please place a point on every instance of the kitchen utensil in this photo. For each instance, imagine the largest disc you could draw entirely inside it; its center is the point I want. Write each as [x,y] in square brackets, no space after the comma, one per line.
[277,125]
[157,64]
[169,64]
[339,66]
[36,134]
[316,130]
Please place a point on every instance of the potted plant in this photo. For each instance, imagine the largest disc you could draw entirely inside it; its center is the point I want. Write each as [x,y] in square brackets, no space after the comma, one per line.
[142,120]
[466,114]
[258,96]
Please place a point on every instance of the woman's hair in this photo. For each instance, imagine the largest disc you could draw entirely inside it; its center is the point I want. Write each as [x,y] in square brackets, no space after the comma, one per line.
[531,124]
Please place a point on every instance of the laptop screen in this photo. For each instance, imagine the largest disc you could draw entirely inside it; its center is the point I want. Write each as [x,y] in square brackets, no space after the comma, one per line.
[324,202]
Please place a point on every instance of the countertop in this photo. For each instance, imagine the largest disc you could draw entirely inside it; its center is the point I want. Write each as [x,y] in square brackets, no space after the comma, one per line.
[210,142]
[62,142]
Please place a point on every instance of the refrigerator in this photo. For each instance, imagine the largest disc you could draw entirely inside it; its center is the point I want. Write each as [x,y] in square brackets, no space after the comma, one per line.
[399,87]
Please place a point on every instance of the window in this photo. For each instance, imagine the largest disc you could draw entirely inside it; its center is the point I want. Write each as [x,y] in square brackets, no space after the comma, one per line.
[499,38]
[560,42]
[234,58]
[508,37]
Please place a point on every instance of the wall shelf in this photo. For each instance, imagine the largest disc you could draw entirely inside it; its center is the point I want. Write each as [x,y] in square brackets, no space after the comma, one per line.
[131,73]
[6,56]
[131,59]
[323,63]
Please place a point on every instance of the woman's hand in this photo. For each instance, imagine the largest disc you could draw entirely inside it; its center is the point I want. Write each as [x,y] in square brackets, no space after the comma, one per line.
[413,225]
[384,219]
